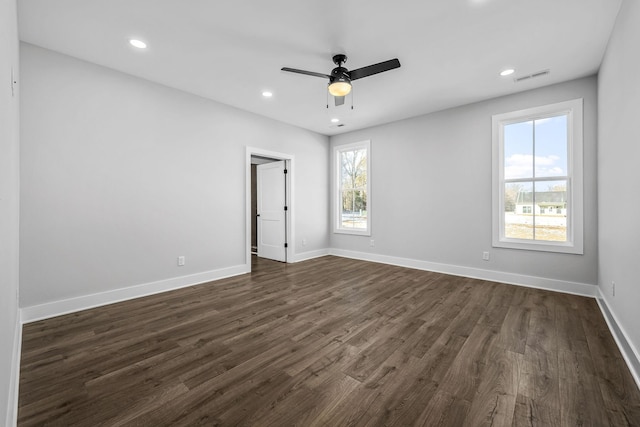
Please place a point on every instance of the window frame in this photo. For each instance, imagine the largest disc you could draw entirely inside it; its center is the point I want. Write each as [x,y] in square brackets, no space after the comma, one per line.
[575,208]
[337,151]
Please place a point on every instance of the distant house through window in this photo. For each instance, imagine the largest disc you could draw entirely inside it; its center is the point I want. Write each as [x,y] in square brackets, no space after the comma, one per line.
[537,178]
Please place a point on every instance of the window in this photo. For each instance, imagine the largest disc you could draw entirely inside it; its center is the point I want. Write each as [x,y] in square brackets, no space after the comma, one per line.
[537,178]
[353,201]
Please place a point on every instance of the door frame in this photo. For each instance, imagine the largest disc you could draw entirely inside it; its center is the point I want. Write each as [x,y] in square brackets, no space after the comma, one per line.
[290,213]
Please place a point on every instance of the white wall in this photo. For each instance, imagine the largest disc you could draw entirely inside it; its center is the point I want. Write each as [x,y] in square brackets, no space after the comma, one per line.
[120,176]
[431,192]
[619,173]
[9,193]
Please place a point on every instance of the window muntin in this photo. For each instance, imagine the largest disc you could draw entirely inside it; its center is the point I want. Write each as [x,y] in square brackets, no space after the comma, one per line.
[353,207]
[538,178]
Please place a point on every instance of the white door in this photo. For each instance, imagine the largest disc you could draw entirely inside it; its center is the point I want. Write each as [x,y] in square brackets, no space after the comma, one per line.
[271,210]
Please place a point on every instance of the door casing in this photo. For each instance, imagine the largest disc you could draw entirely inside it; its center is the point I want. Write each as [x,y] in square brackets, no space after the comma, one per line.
[290,228]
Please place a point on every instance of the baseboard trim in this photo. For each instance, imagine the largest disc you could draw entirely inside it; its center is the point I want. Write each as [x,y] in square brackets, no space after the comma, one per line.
[71,305]
[630,354]
[12,404]
[574,288]
[304,256]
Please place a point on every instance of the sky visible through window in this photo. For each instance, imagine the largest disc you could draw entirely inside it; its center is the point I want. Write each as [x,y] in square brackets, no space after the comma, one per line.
[550,148]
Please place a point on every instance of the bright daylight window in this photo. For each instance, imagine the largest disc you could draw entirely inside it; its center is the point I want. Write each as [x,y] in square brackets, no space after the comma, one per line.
[537,178]
[353,205]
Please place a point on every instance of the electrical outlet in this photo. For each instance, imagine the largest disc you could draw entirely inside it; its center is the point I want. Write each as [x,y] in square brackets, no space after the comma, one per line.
[613,289]
[181,261]
[372,243]
[304,242]
[485,256]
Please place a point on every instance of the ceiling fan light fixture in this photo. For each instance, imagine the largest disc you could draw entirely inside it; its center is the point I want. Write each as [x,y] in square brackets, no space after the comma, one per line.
[340,87]
[340,78]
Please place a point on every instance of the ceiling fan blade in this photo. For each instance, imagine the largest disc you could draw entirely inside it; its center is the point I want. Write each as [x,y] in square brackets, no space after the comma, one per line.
[308,73]
[374,69]
[339,100]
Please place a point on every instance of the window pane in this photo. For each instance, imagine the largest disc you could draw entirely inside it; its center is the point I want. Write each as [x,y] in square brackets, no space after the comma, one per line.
[353,173]
[353,214]
[518,210]
[551,146]
[518,150]
[551,211]
[346,218]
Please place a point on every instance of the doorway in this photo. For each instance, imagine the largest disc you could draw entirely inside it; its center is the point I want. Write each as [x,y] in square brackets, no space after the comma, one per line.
[269,205]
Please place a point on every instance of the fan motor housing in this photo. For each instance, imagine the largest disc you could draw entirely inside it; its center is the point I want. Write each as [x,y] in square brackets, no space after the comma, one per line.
[340,73]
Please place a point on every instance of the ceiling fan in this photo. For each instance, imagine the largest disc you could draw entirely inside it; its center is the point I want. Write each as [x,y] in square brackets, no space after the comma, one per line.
[340,78]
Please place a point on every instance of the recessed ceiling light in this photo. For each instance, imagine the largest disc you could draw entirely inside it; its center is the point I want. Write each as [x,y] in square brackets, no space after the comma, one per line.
[138,43]
[335,120]
[507,72]
[267,94]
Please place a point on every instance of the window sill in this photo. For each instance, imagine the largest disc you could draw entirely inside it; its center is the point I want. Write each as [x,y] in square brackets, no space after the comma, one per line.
[565,248]
[353,232]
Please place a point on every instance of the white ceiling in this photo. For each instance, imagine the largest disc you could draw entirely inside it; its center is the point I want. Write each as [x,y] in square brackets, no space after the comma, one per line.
[230,51]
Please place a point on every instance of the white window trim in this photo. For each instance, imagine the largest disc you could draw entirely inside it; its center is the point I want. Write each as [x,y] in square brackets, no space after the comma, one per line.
[575,220]
[337,190]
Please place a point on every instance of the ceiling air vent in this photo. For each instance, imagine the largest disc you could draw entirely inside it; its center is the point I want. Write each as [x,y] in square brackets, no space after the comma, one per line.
[532,76]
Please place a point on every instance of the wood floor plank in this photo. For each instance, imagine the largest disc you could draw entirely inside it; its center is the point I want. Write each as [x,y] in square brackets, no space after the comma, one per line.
[463,377]
[615,382]
[443,410]
[514,330]
[377,352]
[539,376]
[329,341]
[581,401]
[529,413]
[495,399]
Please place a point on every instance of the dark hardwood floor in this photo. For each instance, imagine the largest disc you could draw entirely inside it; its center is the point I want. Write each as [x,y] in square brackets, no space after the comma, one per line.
[332,342]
